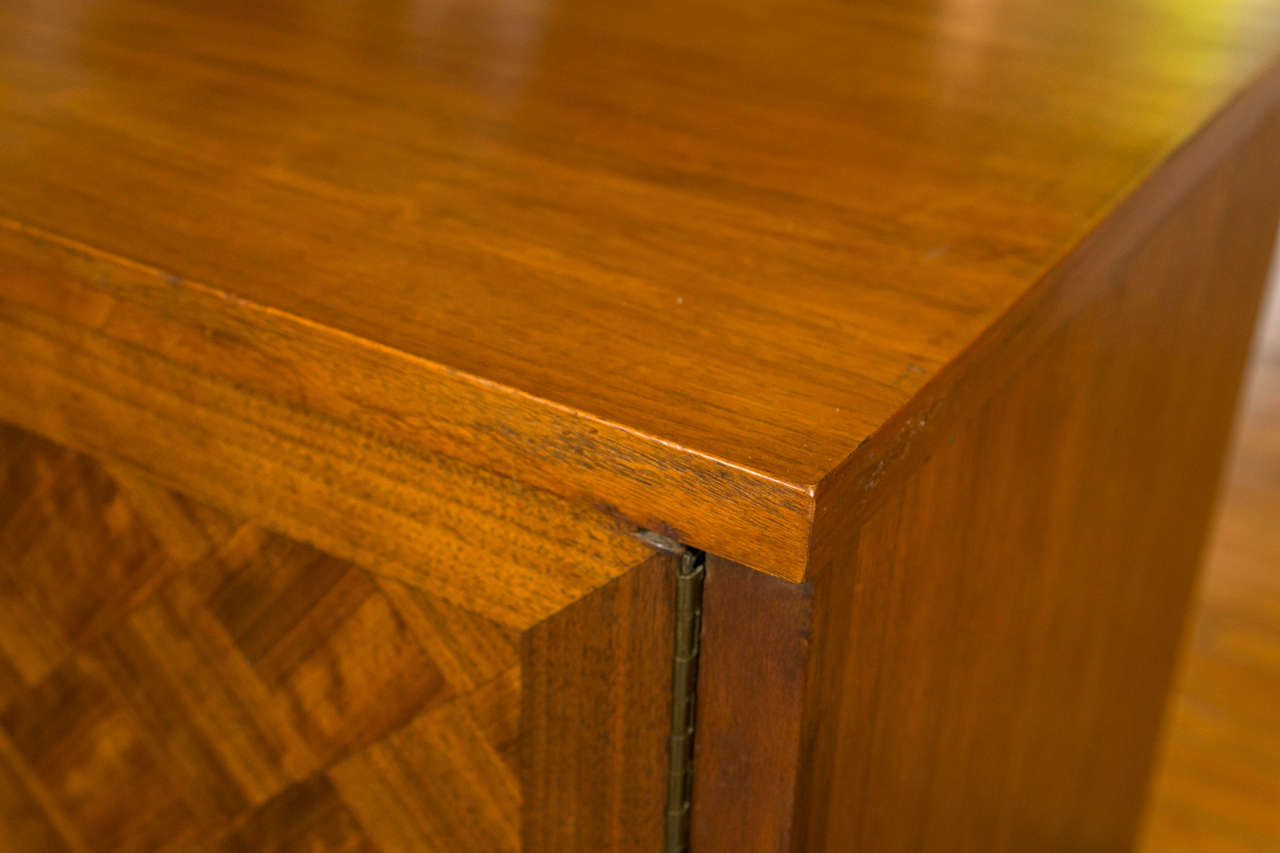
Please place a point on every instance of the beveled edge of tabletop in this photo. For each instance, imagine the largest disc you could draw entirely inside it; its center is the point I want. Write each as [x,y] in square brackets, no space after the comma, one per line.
[418,403]
[781,528]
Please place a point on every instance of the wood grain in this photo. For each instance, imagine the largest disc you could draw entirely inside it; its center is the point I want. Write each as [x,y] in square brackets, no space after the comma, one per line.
[1018,607]
[597,694]
[990,651]
[1217,787]
[751,695]
[95,373]
[505,229]
[173,678]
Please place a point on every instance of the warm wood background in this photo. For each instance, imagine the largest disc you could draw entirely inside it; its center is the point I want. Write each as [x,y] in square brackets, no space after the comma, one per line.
[1218,786]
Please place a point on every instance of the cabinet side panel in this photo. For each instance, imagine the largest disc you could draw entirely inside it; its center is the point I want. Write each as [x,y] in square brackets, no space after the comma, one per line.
[999,636]
[595,716]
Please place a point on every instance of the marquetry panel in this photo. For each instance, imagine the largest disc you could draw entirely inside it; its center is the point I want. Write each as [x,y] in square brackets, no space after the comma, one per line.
[172,678]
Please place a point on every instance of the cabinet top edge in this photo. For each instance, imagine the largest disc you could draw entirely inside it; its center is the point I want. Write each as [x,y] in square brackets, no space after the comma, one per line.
[714,289]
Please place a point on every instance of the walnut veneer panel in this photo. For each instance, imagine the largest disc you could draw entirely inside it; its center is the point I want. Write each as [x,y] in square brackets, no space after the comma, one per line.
[173,679]
[990,652]
[533,213]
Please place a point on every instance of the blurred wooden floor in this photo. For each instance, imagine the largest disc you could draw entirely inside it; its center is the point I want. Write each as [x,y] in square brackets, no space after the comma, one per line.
[1218,784]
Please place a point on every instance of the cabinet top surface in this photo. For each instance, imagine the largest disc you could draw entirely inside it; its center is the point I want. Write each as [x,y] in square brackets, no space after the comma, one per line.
[747,231]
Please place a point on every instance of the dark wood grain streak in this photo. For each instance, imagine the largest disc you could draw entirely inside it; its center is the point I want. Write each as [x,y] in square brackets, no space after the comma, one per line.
[679,260]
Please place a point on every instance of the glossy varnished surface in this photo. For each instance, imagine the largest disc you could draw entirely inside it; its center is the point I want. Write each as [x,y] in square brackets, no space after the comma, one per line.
[125,382]
[713,246]
[1022,602]
[988,655]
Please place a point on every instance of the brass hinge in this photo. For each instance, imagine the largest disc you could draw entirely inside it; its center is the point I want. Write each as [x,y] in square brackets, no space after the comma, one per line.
[690,572]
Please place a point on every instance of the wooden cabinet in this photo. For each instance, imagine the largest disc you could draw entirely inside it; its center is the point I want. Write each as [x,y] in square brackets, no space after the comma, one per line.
[507,426]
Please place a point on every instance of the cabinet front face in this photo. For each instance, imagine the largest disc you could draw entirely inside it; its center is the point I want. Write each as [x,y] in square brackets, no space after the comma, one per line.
[174,678]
